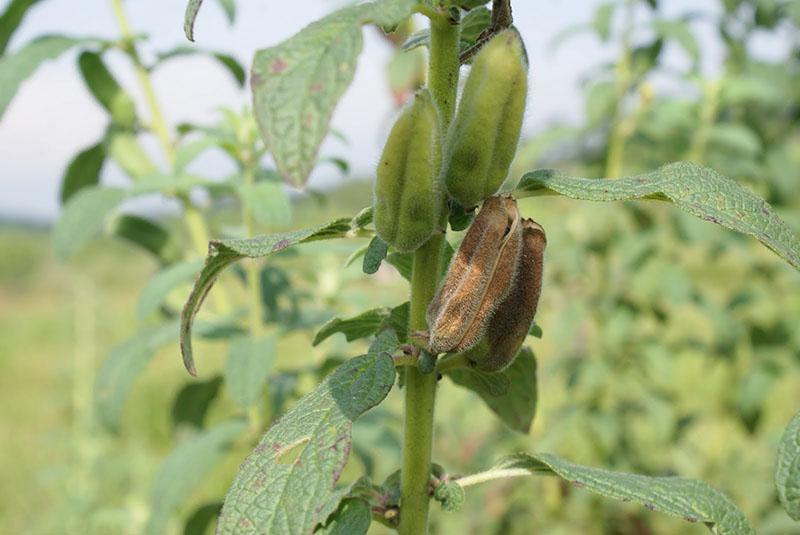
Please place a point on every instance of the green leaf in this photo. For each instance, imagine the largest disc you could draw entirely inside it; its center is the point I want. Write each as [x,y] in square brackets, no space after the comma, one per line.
[287,484]
[451,495]
[106,90]
[192,8]
[16,67]
[602,20]
[83,217]
[230,63]
[689,499]
[229,7]
[511,394]
[352,518]
[297,83]
[787,472]
[125,149]
[247,368]
[193,401]
[83,171]
[374,255]
[149,235]
[185,468]
[360,326]
[11,19]
[681,33]
[695,189]
[223,253]
[121,368]
[472,25]
[267,201]
[163,283]
[202,518]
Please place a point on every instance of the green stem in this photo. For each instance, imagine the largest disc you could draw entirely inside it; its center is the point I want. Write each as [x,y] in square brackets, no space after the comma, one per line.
[619,129]
[708,116]
[421,388]
[195,224]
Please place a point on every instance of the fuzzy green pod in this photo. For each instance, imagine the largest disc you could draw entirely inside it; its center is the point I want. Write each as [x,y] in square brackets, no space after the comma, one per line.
[483,137]
[513,317]
[407,197]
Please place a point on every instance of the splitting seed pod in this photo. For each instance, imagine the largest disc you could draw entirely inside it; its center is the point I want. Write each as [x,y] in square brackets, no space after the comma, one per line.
[513,318]
[479,277]
[483,137]
[407,198]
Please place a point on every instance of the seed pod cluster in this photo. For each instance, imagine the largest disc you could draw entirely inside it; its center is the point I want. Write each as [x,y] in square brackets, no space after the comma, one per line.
[479,277]
[483,137]
[407,197]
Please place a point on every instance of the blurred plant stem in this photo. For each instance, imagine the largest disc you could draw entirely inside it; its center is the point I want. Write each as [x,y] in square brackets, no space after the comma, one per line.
[443,70]
[193,219]
[620,128]
[709,108]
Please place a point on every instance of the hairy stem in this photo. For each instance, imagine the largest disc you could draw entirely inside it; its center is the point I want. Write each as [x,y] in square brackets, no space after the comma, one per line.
[491,475]
[421,388]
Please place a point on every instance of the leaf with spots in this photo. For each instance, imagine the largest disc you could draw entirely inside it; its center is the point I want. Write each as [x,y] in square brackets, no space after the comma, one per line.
[690,499]
[787,472]
[287,484]
[698,190]
[297,83]
[222,253]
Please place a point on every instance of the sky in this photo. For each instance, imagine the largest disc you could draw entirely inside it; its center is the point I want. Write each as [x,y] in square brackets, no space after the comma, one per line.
[53,116]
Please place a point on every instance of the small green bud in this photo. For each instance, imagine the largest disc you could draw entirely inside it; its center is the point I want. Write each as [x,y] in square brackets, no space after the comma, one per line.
[483,137]
[407,197]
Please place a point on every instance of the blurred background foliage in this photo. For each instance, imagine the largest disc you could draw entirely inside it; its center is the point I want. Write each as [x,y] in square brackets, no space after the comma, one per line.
[670,346]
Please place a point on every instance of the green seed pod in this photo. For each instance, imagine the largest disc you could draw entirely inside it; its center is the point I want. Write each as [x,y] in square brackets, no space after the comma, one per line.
[407,197]
[483,137]
[512,319]
[480,275]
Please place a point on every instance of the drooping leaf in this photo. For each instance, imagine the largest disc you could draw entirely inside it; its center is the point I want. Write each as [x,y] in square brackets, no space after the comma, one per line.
[689,499]
[149,235]
[787,472]
[199,521]
[11,19]
[360,326]
[695,189]
[193,401]
[247,368]
[287,484]
[106,90]
[84,170]
[189,17]
[83,217]
[185,468]
[374,255]
[17,67]
[163,283]
[230,63]
[511,394]
[222,253]
[123,366]
[297,83]
[352,518]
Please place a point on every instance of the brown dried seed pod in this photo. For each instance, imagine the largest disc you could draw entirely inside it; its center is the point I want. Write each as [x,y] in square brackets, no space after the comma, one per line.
[512,320]
[480,275]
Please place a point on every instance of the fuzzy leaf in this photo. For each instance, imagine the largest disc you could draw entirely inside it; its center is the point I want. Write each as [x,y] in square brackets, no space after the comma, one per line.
[16,67]
[163,283]
[222,253]
[374,255]
[185,468]
[360,326]
[287,484]
[689,499]
[787,473]
[297,84]
[695,189]
[511,394]
[189,17]
[352,518]
[83,217]
[247,368]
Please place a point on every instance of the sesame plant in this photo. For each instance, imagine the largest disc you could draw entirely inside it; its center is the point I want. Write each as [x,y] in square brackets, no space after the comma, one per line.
[444,169]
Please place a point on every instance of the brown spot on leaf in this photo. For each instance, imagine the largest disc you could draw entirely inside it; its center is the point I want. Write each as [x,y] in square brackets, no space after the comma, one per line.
[280,246]
[256,80]
[278,66]
[316,87]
